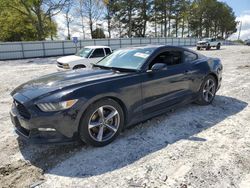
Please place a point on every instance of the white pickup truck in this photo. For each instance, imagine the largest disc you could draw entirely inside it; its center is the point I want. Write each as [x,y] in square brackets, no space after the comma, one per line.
[207,43]
[84,58]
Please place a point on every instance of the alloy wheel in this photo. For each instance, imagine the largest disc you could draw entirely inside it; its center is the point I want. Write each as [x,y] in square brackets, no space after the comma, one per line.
[209,90]
[104,123]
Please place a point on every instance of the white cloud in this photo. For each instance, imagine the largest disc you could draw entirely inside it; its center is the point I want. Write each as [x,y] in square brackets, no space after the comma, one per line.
[245,27]
[75,27]
[76,31]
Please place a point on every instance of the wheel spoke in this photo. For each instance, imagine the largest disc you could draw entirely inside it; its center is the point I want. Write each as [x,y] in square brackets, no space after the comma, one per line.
[100,113]
[111,115]
[206,87]
[206,96]
[100,134]
[208,83]
[211,86]
[94,124]
[110,127]
[209,92]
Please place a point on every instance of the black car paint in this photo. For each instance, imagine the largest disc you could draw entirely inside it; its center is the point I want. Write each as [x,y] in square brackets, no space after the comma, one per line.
[141,94]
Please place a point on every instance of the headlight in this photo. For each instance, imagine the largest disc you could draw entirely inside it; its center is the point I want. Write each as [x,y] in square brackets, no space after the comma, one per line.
[66,66]
[51,107]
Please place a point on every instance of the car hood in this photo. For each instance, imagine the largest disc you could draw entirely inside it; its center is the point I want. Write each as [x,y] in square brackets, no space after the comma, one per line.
[70,58]
[48,84]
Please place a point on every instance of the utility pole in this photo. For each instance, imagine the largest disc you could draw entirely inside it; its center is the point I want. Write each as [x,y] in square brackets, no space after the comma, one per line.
[240,22]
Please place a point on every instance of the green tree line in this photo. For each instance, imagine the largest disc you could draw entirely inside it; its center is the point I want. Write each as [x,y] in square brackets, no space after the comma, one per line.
[171,18]
[34,19]
[22,20]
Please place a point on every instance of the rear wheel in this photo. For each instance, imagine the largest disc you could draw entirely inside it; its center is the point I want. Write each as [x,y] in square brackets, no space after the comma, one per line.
[198,48]
[101,123]
[207,91]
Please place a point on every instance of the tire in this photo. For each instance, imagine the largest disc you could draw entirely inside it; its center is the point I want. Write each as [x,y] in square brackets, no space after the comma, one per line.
[208,47]
[218,46]
[79,67]
[96,128]
[198,48]
[207,91]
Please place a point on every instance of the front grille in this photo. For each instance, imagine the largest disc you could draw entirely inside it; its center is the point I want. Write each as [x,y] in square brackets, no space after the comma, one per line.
[22,109]
[59,64]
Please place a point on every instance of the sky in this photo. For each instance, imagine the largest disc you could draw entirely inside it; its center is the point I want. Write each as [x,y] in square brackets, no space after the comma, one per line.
[239,6]
[241,9]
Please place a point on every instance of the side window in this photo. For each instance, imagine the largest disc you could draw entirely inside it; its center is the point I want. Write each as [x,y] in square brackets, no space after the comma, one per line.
[98,53]
[108,51]
[189,57]
[169,58]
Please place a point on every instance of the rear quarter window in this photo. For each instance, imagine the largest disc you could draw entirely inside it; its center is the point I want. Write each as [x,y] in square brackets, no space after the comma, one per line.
[189,57]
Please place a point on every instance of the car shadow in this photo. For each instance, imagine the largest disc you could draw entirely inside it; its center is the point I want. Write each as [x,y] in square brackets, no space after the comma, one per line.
[211,49]
[78,160]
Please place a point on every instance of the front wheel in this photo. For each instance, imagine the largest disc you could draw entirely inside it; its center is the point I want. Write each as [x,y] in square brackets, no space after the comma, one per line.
[101,123]
[218,46]
[198,48]
[79,67]
[208,47]
[207,91]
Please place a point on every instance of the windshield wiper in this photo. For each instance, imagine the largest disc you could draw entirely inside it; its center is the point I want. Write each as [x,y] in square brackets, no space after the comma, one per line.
[101,66]
[123,69]
[115,68]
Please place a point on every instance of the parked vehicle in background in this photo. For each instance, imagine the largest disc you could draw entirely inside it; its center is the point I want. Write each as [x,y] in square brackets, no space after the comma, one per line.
[84,58]
[247,42]
[127,87]
[208,43]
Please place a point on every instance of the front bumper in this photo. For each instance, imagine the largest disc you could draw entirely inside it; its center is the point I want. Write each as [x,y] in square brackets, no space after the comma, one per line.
[49,128]
[202,45]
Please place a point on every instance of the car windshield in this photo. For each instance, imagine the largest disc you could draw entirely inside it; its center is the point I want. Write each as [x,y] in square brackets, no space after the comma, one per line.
[126,58]
[84,52]
[206,39]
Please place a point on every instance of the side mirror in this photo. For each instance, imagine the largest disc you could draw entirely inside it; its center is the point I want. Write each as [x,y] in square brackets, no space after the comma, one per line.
[158,67]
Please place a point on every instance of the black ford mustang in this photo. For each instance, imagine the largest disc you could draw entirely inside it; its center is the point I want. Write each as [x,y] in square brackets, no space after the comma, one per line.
[127,87]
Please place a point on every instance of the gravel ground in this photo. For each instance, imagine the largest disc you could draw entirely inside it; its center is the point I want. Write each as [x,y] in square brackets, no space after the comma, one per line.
[193,146]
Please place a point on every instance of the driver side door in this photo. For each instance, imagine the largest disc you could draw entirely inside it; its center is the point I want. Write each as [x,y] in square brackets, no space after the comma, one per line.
[164,88]
[97,55]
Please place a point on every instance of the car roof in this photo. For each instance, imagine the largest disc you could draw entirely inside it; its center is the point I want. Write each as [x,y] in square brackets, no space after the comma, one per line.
[156,46]
[94,47]
[159,47]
